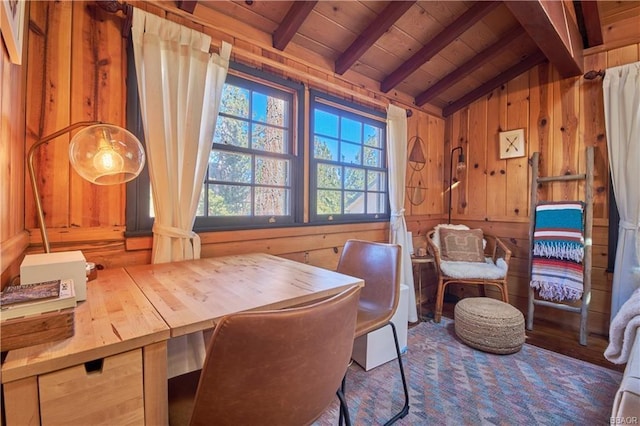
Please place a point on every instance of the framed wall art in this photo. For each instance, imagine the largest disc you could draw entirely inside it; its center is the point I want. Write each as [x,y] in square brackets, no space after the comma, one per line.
[12,27]
[512,144]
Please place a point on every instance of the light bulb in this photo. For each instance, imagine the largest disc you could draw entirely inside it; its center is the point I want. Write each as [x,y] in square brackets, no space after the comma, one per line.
[108,161]
[461,167]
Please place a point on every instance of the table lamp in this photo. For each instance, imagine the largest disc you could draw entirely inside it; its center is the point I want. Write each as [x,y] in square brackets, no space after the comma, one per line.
[102,154]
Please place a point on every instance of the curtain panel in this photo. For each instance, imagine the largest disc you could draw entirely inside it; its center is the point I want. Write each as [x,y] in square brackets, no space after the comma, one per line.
[621,90]
[397,159]
[180,85]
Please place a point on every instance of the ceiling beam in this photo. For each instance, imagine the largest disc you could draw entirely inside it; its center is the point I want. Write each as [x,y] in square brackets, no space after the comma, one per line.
[439,42]
[553,30]
[291,23]
[522,66]
[377,27]
[187,5]
[486,56]
[589,20]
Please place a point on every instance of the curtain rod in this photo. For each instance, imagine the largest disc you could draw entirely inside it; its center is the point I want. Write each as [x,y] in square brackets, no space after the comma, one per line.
[592,75]
[113,6]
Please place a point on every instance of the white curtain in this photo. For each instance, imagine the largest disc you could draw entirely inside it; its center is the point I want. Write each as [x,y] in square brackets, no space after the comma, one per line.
[179,85]
[621,87]
[397,159]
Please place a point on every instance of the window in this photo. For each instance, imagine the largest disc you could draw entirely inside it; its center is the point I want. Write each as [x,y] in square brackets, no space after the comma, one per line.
[256,171]
[347,162]
[251,178]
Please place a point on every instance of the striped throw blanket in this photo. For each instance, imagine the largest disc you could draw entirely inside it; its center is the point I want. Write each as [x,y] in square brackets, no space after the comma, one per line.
[558,251]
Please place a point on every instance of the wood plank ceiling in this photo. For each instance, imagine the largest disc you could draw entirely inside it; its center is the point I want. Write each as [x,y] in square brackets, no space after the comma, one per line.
[444,53]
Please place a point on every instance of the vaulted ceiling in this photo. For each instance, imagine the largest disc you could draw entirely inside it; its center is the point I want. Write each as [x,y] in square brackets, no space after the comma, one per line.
[442,53]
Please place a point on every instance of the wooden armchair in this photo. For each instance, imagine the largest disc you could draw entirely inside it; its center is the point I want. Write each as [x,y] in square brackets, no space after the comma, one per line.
[484,269]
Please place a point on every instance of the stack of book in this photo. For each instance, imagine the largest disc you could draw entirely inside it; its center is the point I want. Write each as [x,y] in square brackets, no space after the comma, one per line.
[38,298]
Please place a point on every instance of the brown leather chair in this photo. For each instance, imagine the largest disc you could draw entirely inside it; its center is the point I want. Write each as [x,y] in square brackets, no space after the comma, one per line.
[378,264]
[270,368]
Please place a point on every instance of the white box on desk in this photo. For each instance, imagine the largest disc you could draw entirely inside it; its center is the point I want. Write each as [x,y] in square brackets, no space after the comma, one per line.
[378,347]
[36,268]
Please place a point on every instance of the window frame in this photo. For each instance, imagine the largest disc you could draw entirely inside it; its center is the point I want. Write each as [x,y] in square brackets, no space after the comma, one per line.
[138,220]
[251,78]
[140,223]
[364,115]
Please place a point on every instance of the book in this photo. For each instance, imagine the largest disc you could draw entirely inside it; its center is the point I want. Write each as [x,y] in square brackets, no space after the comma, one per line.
[66,299]
[29,292]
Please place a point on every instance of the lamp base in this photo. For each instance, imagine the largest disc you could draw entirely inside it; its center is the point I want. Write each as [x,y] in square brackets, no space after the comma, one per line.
[36,268]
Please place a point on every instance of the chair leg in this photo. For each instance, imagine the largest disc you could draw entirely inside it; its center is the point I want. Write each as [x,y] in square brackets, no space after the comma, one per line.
[344,410]
[439,301]
[405,407]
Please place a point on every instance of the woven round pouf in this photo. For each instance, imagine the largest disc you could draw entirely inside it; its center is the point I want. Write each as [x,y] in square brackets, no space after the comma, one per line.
[489,325]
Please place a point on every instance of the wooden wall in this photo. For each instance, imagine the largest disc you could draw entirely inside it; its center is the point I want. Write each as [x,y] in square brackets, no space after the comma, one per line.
[75,71]
[13,237]
[561,117]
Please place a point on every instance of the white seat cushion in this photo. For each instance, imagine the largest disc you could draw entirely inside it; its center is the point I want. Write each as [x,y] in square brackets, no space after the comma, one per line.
[477,270]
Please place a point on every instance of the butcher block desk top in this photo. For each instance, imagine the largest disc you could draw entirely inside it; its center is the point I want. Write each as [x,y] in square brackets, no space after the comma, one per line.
[192,295]
[116,317]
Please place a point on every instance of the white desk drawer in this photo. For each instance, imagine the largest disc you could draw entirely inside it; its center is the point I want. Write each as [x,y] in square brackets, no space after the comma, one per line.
[106,391]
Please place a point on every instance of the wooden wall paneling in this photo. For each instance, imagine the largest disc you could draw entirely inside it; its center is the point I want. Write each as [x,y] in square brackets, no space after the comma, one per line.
[562,136]
[517,168]
[541,121]
[573,153]
[13,238]
[278,246]
[477,160]
[414,177]
[496,168]
[451,137]
[53,165]
[620,32]
[435,164]
[98,94]
[34,105]
[592,129]
[6,147]
[323,258]
[623,55]
[459,192]
[431,130]
[48,107]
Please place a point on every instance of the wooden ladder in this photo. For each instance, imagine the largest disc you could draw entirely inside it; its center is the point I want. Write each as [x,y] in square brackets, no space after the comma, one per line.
[588,225]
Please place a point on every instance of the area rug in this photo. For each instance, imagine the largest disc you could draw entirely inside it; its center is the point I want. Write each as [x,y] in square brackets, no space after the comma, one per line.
[453,384]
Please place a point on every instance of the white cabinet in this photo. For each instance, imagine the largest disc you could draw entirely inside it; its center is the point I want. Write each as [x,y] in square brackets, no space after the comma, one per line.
[378,347]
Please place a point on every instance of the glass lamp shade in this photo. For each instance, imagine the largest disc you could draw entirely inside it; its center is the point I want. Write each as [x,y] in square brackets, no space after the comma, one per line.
[105,154]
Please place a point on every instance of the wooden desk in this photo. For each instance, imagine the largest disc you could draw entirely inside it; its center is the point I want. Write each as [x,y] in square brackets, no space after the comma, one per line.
[192,295]
[124,325]
[119,333]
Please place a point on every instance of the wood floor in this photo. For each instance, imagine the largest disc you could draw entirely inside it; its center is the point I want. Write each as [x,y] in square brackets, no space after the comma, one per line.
[549,336]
